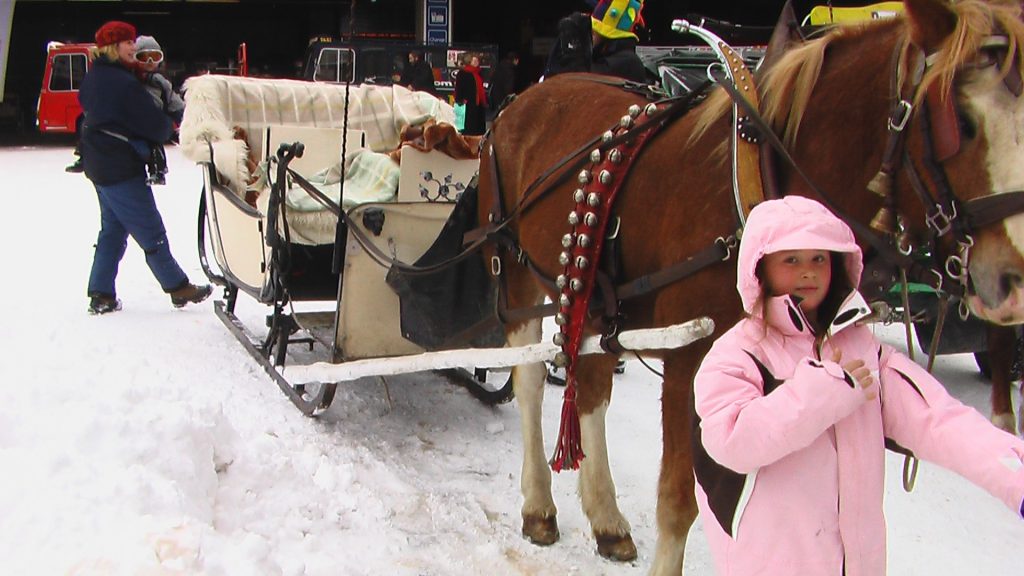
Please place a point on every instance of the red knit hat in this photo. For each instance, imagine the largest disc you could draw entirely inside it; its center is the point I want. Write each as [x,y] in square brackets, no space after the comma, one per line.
[113,32]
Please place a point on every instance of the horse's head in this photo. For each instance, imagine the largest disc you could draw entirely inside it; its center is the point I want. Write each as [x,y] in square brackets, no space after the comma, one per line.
[946,79]
[969,153]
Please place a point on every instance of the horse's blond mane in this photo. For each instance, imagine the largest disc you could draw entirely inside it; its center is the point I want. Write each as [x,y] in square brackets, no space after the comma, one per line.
[786,88]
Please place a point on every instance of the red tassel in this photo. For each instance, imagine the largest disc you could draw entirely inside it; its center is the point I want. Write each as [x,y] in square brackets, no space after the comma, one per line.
[569,448]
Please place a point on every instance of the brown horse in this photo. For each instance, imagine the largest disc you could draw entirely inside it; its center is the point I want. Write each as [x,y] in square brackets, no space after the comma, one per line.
[832,100]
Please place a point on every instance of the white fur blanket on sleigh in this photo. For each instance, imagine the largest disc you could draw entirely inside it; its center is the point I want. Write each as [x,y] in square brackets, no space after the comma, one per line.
[215,105]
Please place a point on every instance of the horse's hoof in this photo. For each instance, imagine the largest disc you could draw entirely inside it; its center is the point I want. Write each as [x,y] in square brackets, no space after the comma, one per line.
[540,530]
[619,548]
[1005,422]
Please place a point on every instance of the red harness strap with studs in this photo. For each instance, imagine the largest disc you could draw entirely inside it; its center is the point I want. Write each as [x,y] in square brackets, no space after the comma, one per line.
[599,185]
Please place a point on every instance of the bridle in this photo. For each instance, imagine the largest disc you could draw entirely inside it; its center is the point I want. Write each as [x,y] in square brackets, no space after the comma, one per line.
[945,213]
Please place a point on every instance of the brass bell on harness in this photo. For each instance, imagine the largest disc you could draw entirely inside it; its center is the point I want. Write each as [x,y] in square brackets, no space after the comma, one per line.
[567,241]
[582,262]
[558,339]
[561,360]
[564,258]
[562,281]
[583,240]
[574,218]
[584,177]
[590,219]
[579,195]
[595,156]
[626,121]
[604,177]
[576,285]
[608,135]
[594,198]
[564,301]
[634,110]
[561,319]
[884,221]
[615,156]
[650,109]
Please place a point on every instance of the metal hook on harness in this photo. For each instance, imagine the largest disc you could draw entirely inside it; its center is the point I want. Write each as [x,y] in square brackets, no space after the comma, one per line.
[730,244]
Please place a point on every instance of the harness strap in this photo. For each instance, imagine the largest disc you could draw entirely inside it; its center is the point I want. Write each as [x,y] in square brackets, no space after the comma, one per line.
[883,248]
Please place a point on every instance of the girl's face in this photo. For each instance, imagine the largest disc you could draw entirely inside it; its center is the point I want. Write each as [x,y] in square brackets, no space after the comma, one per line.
[806,274]
[126,51]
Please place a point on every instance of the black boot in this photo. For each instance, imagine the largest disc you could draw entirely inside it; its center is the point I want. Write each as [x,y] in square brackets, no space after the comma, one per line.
[103,304]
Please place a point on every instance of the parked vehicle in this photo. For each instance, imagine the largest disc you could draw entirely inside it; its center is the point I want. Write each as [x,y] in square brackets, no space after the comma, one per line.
[381,62]
[57,109]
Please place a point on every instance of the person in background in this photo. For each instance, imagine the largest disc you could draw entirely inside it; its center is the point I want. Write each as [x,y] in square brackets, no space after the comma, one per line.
[418,75]
[150,58]
[122,122]
[503,81]
[795,405]
[469,91]
[603,43]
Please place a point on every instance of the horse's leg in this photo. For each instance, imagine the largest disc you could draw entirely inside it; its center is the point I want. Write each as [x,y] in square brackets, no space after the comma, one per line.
[1002,347]
[539,513]
[677,507]
[597,489]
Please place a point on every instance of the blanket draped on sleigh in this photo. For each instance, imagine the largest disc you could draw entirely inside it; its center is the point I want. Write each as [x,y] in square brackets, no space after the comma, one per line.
[216,106]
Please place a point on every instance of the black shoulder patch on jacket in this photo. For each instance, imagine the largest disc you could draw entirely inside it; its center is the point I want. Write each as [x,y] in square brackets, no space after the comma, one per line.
[769,379]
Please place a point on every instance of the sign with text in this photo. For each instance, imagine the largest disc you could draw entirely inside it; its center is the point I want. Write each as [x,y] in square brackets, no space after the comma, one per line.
[437,22]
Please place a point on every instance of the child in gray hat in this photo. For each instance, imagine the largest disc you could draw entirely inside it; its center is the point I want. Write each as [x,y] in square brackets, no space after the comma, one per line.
[150,57]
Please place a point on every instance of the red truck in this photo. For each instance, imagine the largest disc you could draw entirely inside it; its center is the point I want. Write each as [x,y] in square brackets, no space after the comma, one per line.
[57,109]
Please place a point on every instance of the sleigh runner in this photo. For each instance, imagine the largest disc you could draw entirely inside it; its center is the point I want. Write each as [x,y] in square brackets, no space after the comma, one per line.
[281,227]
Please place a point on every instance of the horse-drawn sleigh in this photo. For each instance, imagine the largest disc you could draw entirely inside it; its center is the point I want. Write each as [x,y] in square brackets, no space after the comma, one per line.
[925,108]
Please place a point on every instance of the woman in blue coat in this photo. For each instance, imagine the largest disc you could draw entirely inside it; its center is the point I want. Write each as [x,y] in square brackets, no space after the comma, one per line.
[121,123]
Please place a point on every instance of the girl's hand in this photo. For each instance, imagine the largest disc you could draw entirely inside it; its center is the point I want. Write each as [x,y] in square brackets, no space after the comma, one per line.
[862,377]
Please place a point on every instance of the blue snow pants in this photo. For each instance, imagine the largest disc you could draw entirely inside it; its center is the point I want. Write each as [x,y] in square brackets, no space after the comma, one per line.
[128,208]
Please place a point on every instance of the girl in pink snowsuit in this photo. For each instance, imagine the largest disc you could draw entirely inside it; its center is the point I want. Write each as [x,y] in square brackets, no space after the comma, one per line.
[795,404]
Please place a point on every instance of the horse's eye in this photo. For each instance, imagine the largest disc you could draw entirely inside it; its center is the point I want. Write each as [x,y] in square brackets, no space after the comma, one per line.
[967,125]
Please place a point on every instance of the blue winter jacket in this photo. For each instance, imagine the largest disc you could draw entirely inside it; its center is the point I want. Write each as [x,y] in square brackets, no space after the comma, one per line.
[121,121]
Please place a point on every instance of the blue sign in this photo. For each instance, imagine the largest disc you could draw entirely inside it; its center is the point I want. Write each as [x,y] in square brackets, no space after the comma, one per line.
[437,23]
[437,37]
[437,17]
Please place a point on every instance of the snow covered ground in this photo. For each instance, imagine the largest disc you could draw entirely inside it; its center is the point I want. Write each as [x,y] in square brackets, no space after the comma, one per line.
[148,442]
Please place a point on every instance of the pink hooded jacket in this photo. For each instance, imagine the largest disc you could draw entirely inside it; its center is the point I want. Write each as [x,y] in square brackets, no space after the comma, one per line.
[788,456]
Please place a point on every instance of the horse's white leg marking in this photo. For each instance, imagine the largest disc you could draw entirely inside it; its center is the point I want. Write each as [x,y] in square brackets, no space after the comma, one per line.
[668,555]
[528,383]
[597,489]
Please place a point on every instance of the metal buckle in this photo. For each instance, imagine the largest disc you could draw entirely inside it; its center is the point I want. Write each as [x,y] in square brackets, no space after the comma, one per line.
[934,218]
[495,266]
[900,116]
